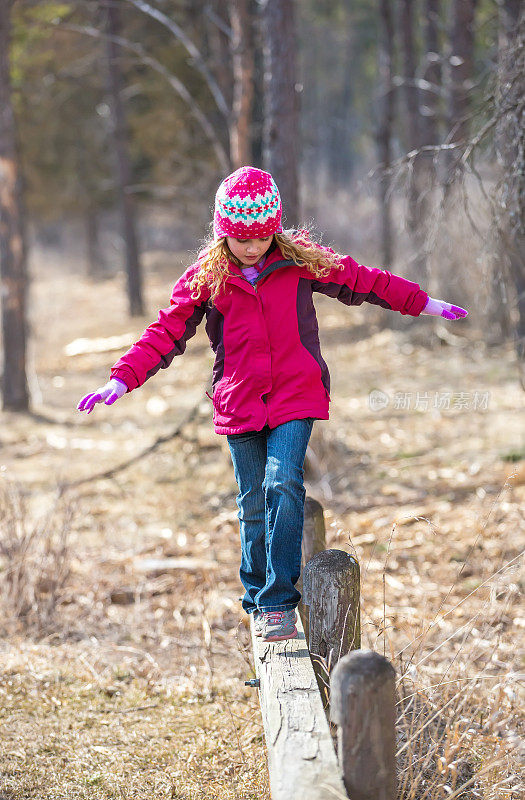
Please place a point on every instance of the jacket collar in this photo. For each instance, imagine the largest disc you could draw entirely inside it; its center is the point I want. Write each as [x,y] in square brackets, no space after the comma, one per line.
[273,262]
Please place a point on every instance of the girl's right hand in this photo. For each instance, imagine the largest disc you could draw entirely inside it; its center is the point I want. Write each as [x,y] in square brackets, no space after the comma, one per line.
[108,394]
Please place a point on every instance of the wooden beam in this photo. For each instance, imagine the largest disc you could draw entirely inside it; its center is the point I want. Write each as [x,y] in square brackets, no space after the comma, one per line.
[301,756]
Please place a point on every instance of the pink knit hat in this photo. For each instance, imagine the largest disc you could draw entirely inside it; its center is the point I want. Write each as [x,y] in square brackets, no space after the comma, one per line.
[247,205]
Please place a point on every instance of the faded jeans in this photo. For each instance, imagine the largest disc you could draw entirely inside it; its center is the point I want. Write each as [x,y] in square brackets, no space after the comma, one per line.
[268,467]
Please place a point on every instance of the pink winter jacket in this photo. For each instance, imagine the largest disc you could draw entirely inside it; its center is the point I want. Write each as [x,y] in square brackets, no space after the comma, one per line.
[268,365]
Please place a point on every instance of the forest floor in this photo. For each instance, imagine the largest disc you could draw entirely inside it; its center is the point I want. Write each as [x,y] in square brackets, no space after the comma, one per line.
[122,679]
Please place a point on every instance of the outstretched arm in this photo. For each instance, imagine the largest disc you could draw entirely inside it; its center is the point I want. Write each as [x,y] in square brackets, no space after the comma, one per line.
[156,348]
[354,284]
[165,338]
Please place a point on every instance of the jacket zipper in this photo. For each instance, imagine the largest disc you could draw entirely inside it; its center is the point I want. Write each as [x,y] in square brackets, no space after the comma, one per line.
[253,285]
[267,336]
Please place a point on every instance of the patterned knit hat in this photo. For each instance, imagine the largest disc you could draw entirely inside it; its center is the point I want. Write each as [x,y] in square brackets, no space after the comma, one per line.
[247,205]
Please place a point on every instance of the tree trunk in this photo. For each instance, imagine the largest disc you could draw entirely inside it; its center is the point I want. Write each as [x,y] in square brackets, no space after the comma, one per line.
[219,44]
[413,126]
[218,32]
[258,111]
[430,97]
[96,264]
[340,156]
[461,69]
[123,166]
[281,135]
[15,394]
[384,131]
[417,184]
[510,141]
[243,68]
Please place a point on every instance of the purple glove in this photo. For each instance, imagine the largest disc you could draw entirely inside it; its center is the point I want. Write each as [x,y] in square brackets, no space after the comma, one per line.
[438,308]
[114,389]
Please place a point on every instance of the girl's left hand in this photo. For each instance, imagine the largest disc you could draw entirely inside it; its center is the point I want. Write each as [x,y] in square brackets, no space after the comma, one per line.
[439,308]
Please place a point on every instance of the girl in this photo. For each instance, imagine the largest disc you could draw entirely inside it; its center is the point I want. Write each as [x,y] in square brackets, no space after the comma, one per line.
[254,283]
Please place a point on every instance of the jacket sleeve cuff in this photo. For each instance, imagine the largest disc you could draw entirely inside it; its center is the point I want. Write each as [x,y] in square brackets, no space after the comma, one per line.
[127,376]
[418,303]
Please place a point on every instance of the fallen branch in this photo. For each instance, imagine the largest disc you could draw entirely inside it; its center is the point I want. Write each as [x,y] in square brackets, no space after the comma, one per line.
[125,710]
[110,473]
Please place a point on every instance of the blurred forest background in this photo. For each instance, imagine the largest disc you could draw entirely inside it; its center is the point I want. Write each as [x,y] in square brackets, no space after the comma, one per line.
[395,131]
[396,127]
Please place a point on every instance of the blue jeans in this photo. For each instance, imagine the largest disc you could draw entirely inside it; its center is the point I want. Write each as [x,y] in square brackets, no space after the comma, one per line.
[268,467]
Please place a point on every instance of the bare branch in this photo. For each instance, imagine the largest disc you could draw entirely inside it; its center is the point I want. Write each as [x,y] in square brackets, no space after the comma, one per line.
[174,82]
[418,83]
[200,65]
[408,158]
[220,23]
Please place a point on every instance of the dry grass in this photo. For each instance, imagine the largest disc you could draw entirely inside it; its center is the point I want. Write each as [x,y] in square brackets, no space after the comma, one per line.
[134,687]
[34,562]
[460,721]
[84,731]
[460,713]
[452,745]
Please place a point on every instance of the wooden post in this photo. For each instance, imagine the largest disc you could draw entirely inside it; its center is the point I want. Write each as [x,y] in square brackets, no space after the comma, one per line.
[331,590]
[314,541]
[362,705]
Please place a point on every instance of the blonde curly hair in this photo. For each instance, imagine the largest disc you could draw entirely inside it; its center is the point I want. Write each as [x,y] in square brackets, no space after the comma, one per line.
[215,257]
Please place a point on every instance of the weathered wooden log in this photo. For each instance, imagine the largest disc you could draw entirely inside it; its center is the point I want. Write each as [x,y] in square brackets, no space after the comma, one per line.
[314,541]
[331,592]
[301,758]
[362,705]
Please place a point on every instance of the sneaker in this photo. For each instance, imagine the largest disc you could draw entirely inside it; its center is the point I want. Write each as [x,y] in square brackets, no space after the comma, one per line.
[279,625]
[258,622]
